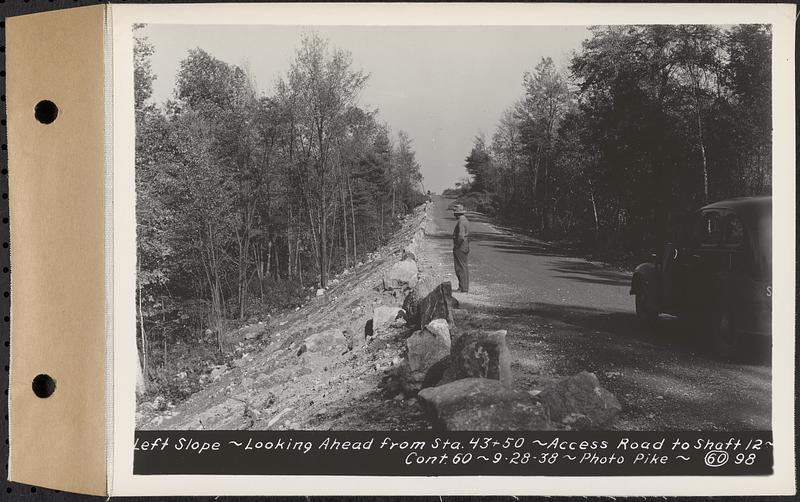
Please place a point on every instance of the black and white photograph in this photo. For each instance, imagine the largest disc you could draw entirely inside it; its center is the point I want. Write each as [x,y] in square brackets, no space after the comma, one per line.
[454,228]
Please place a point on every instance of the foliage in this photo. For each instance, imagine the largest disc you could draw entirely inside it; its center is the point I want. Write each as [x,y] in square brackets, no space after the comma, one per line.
[247,200]
[647,123]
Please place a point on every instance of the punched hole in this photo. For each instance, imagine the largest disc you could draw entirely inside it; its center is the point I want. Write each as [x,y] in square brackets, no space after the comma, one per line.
[45,111]
[43,386]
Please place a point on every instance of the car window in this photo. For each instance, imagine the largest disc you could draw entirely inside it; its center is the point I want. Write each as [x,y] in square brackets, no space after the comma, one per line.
[733,231]
[709,232]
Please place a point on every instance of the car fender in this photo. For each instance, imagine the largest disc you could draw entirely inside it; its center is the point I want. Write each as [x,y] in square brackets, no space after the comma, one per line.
[644,276]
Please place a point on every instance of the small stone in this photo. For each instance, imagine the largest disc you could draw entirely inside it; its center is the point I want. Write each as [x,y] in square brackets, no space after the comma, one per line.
[327,340]
[218,371]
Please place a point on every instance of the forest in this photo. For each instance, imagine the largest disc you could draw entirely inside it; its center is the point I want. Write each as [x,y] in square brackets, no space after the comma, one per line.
[248,201]
[645,124]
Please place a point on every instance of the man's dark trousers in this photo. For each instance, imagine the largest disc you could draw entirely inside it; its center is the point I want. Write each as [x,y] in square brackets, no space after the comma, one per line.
[460,258]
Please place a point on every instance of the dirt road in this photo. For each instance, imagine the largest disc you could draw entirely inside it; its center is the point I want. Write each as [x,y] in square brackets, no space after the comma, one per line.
[565,314]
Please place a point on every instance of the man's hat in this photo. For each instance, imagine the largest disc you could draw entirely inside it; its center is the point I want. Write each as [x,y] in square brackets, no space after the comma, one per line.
[459,209]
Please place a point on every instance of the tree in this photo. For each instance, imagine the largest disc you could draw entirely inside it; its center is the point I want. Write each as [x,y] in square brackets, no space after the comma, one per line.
[651,122]
[478,165]
[244,194]
[541,110]
[321,87]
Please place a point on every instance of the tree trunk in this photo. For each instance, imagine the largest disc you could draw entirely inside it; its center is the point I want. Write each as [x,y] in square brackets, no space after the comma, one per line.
[596,220]
[277,267]
[141,381]
[314,239]
[353,215]
[323,237]
[700,138]
[143,335]
[703,157]
[258,259]
[211,268]
[269,257]
[344,229]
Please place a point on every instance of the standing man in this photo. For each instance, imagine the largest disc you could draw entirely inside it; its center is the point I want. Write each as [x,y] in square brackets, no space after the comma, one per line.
[461,248]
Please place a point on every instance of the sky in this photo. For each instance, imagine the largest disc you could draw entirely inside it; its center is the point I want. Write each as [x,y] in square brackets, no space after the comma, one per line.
[442,85]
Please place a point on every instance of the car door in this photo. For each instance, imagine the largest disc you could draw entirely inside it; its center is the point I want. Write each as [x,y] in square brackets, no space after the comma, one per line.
[705,259]
[675,265]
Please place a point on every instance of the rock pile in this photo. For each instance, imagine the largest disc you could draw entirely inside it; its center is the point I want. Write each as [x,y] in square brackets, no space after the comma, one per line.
[463,382]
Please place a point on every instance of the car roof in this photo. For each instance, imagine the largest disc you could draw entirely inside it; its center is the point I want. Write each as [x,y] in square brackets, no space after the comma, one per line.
[743,205]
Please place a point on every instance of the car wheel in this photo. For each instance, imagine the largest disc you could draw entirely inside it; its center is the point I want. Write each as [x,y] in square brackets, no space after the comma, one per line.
[728,341]
[646,311]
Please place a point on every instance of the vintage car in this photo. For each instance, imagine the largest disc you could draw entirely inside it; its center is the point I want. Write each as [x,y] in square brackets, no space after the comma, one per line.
[716,269]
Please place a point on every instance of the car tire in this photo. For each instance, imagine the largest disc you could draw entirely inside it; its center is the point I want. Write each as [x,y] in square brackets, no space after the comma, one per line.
[729,344]
[646,312]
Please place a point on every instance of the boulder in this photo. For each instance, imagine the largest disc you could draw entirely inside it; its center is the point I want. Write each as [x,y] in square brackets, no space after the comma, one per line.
[426,359]
[411,309]
[383,316]
[437,305]
[427,302]
[426,349]
[482,355]
[327,340]
[402,275]
[480,404]
[580,401]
